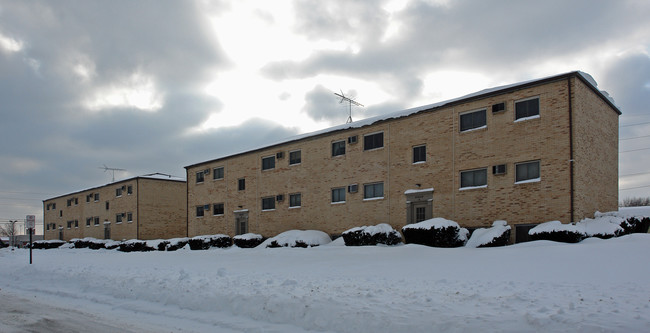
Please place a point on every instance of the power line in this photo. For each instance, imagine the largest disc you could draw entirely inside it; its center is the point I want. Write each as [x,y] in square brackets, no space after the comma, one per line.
[634,174]
[633,188]
[637,137]
[629,151]
[628,125]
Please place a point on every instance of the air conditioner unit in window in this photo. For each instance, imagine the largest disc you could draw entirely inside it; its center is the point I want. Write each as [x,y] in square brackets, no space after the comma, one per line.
[352,139]
[498,107]
[279,155]
[354,188]
[499,169]
[279,197]
[123,187]
[206,171]
[206,207]
[123,214]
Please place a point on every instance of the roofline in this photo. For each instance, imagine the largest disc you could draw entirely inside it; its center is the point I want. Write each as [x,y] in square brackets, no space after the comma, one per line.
[117,182]
[443,104]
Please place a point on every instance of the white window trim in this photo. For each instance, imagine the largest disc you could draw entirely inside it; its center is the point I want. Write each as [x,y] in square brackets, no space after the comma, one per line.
[373,149]
[475,128]
[214,173]
[472,187]
[293,151]
[373,199]
[527,181]
[532,180]
[337,202]
[274,161]
[344,143]
[514,107]
[425,155]
[419,162]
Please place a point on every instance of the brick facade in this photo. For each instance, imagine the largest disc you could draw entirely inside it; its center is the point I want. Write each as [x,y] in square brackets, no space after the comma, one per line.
[568,104]
[149,208]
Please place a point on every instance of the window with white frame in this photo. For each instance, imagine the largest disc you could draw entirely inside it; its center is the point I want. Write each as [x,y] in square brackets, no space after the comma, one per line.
[96,220]
[217,209]
[473,178]
[218,173]
[129,190]
[200,177]
[118,192]
[373,191]
[241,184]
[295,200]
[88,221]
[338,148]
[295,157]
[268,163]
[338,194]
[527,108]
[200,211]
[118,218]
[472,120]
[420,154]
[129,217]
[268,203]
[527,172]
[373,141]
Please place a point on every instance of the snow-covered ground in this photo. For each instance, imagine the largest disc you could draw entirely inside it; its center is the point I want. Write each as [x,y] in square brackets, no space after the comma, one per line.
[593,286]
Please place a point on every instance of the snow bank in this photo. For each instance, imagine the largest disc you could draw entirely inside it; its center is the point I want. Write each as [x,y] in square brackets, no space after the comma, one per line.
[498,235]
[298,238]
[602,226]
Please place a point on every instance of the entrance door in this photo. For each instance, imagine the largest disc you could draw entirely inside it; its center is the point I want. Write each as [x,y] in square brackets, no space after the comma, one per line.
[420,212]
[107,231]
[419,205]
[241,222]
[60,233]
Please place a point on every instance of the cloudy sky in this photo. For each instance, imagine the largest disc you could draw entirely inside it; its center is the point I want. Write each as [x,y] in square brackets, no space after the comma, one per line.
[153,86]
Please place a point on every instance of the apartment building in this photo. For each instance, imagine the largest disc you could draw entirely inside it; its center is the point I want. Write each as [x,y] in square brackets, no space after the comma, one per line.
[144,207]
[529,152]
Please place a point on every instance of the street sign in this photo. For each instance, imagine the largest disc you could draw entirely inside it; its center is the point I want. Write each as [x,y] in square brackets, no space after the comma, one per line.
[30,222]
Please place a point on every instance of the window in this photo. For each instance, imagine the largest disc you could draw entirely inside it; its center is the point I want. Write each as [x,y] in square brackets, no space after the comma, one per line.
[61,213]
[107,205]
[76,223]
[294,200]
[372,191]
[472,120]
[338,148]
[54,206]
[199,211]
[295,157]
[118,218]
[241,184]
[338,194]
[268,163]
[70,224]
[88,221]
[96,220]
[217,209]
[76,201]
[473,178]
[69,202]
[88,197]
[527,108]
[118,192]
[268,203]
[419,154]
[217,173]
[528,171]
[200,177]
[373,141]
[129,217]
[96,197]
[129,190]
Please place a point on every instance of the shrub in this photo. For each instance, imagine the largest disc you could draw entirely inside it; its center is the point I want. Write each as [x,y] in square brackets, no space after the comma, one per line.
[248,240]
[602,226]
[635,225]
[135,245]
[497,235]
[558,232]
[208,241]
[47,244]
[175,244]
[382,233]
[437,232]
[298,238]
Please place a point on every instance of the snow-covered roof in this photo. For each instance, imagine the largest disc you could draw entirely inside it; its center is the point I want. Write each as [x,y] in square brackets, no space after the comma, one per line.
[153,176]
[586,78]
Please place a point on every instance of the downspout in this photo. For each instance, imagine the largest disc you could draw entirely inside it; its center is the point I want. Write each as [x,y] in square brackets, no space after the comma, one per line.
[187,202]
[137,208]
[571,161]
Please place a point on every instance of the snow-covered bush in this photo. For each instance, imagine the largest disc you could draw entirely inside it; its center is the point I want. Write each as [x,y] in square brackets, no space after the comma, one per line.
[558,232]
[298,238]
[207,241]
[437,232]
[248,240]
[112,244]
[173,244]
[89,242]
[498,235]
[381,233]
[636,225]
[602,227]
[136,245]
[47,244]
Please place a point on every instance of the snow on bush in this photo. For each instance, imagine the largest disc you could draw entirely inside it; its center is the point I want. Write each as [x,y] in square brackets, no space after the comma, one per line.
[602,227]
[381,233]
[173,244]
[248,240]
[207,241]
[47,244]
[89,242]
[498,235]
[298,238]
[636,225]
[558,232]
[437,232]
[136,245]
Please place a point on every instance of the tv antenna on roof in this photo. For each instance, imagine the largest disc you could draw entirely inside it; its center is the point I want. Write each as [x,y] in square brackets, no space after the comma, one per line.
[350,102]
[111,169]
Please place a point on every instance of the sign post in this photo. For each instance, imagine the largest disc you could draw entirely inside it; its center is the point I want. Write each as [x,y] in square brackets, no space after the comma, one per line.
[30,223]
